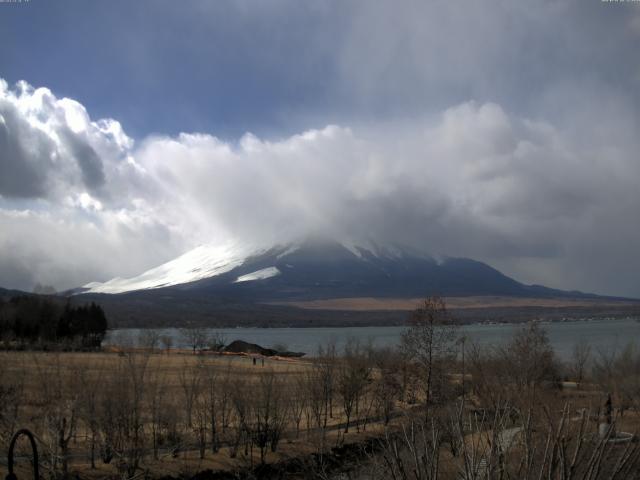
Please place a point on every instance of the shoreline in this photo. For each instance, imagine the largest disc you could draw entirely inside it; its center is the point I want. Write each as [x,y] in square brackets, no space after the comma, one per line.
[389,325]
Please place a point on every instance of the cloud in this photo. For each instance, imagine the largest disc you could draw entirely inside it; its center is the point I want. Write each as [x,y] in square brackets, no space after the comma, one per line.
[283,66]
[504,131]
[50,144]
[66,246]
[69,202]
[546,202]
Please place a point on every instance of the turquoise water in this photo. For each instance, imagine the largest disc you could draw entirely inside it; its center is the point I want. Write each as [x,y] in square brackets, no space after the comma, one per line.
[601,334]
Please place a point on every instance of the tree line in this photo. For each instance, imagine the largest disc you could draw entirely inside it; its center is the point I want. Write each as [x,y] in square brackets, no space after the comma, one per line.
[48,321]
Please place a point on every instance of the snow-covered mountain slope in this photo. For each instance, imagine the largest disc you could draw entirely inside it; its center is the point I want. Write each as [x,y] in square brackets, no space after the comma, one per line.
[262,274]
[314,268]
[239,284]
[211,260]
[205,261]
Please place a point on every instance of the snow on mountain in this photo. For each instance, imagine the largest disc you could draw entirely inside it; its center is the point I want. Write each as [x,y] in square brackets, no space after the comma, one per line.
[291,249]
[202,262]
[259,275]
[211,260]
[215,277]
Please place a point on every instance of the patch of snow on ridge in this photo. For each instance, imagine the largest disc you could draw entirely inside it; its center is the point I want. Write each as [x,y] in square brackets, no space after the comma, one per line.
[259,275]
[202,262]
[292,249]
[369,248]
[357,248]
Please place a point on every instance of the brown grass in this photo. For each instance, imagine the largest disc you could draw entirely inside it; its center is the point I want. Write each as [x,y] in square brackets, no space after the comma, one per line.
[32,368]
[409,304]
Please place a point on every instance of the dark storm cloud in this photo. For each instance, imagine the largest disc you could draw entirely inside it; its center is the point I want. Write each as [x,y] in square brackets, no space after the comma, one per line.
[86,157]
[22,155]
[47,144]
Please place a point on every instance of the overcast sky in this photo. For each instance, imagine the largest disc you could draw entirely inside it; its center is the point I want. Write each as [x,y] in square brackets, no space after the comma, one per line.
[502,130]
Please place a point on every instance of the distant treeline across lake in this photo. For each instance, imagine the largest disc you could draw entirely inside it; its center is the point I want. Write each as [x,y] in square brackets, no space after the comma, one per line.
[601,334]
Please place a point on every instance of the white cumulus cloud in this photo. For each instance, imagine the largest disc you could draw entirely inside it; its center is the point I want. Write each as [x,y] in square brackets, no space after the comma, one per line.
[80,201]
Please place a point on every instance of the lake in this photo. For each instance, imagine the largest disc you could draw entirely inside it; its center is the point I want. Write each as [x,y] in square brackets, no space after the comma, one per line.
[601,334]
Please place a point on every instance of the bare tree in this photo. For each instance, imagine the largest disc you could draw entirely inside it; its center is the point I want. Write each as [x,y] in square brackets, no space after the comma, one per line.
[298,400]
[321,379]
[529,362]
[516,373]
[226,386]
[11,395]
[171,430]
[617,371]
[429,341]
[201,417]
[387,387]
[212,401]
[240,399]
[122,413]
[136,369]
[489,381]
[60,408]
[628,377]
[216,341]
[156,406]
[196,338]
[548,444]
[326,366]
[167,342]
[90,393]
[268,410]
[580,356]
[317,398]
[414,453]
[149,339]
[353,375]
[190,378]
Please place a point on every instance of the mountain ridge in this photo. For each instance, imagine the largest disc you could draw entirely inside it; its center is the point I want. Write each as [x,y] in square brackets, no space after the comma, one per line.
[321,282]
[321,268]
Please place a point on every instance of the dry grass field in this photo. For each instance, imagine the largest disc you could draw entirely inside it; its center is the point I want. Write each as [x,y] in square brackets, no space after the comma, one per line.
[144,413]
[409,304]
[158,392]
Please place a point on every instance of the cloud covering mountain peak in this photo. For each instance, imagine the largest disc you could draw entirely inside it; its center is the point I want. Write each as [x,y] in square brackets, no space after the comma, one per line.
[80,200]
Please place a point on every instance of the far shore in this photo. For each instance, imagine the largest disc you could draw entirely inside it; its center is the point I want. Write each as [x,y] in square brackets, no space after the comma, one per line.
[453,303]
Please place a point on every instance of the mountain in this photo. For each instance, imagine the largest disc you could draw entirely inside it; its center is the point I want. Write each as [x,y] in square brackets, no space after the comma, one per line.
[321,282]
[308,283]
[6,293]
[320,269]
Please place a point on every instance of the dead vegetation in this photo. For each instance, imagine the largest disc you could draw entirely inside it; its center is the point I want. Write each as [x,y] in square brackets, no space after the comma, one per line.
[436,407]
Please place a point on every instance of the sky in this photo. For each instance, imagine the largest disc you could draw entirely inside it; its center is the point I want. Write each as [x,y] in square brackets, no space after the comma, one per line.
[508,132]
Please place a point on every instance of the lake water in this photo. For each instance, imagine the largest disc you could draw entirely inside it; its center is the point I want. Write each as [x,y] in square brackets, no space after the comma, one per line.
[601,334]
